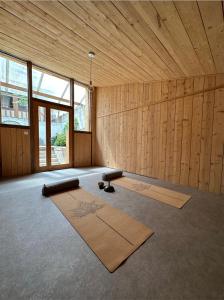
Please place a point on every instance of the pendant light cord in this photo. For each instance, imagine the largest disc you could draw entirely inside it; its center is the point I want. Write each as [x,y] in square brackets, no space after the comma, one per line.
[90,73]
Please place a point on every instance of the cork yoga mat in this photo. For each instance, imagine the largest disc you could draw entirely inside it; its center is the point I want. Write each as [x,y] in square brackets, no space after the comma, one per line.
[167,196]
[111,234]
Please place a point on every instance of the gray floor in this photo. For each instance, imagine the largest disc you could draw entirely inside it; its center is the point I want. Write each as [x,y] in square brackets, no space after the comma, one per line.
[42,256]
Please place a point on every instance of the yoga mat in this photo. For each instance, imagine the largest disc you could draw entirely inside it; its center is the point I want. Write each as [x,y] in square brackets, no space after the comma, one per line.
[111,234]
[167,196]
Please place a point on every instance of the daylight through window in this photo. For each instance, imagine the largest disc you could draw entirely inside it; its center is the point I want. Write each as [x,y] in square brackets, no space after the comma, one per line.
[82,108]
[50,87]
[13,92]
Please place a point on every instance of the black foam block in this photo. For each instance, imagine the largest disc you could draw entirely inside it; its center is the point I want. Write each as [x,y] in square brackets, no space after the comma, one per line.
[60,186]
[112,175]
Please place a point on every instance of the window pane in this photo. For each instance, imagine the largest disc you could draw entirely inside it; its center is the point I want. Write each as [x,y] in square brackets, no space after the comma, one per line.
[82,108]
[59,137]
[13,92]
[50,87]
[42,137]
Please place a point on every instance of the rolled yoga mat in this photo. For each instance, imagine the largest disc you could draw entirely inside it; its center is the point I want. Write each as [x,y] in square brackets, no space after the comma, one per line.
[108,176]
[111,234]
[164,195]
[60,186]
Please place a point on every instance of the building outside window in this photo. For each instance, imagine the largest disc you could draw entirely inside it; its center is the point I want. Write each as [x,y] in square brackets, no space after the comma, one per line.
[13,91]
[81,108]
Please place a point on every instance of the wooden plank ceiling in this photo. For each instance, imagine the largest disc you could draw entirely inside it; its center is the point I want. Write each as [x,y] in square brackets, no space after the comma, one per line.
[133,41]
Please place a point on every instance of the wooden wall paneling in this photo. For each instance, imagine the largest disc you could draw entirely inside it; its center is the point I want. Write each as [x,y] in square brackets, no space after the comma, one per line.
[139,139]
[147,94]
[188,86]
[173,131]
[82,149]
[180,88]
[6,154]
[128,140]
[196,132]
[195,140]
[162,139]
[178,132]
[186,141]
[19,150]
[156,92]
[105,140]
[16,152]
[125,140]
[26,152]
[144,140]
[165,91]
[133,127]
[100,142]
[206,134]
[113,128]
[156,126]
[186,135]
[118,140]
[93,126]
[171,112]
[172,84]
[149,152]
[217,152]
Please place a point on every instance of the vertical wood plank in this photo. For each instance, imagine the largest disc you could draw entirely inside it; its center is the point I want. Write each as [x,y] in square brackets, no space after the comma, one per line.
[186,141]
[178,133]
[206,134]
[217,152]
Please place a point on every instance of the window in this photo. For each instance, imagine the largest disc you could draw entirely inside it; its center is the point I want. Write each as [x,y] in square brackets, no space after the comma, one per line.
[13,91]
[81,108]
[53,88]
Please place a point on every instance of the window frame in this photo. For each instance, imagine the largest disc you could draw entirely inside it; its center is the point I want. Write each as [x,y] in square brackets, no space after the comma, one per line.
[29,66]
[89,107]
[46,71]
[18,88]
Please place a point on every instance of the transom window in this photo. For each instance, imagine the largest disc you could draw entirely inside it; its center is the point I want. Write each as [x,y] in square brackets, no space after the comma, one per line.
[50,87]
[14,104]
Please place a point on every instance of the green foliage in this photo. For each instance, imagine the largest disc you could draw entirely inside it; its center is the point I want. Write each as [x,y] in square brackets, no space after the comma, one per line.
[23,100]
[60,140]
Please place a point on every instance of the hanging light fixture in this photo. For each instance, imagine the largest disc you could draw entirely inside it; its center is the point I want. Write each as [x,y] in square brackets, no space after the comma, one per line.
[91,56]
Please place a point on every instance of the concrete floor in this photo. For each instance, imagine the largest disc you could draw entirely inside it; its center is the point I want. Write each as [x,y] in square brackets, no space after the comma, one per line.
[42,256]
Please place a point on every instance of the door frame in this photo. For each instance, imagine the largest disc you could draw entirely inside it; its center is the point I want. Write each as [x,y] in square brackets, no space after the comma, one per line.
[50,105]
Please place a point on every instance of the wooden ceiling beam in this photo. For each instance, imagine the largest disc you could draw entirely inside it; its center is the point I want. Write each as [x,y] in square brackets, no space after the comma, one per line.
[121,32]
[192,22]
[140,26]
[40,20]
[17,29]
[134,41]
[59,12]
[212,17]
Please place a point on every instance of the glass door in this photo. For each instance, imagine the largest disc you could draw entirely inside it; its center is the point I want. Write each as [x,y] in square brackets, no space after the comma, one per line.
[52,136]
[59,137]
